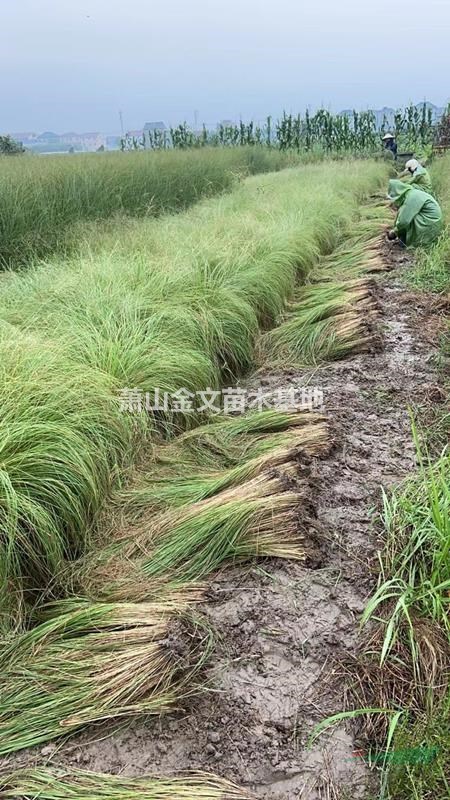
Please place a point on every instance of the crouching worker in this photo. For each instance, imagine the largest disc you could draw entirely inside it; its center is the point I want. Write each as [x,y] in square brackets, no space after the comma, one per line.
[390,145]
[416,175]
[419,217]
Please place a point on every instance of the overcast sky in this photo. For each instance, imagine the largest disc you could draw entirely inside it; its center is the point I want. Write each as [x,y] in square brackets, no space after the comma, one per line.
[73,64]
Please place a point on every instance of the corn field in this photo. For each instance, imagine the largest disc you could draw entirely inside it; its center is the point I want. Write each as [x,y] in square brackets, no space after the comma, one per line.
[355,132]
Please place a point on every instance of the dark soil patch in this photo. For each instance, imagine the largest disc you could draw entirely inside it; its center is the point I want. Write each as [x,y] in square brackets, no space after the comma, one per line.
[283,625]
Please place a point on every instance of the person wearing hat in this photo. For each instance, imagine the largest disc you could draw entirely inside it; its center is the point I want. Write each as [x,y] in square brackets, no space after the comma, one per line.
[390,144]
[417,176]
[419,217]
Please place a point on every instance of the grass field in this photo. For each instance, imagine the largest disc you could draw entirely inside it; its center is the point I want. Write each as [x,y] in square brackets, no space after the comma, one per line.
[43,199]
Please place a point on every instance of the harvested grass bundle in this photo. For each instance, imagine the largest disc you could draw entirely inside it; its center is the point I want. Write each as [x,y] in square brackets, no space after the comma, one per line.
[260,518]
[350,260]
[229,441]
[329,321]
[89,662]
[243,523]
[60,784]
[174,492]
[169,485]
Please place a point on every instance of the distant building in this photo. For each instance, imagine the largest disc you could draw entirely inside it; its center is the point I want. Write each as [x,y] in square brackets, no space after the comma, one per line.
[24,136]
[70,138]
[154,126]
[225,123]
[92,141]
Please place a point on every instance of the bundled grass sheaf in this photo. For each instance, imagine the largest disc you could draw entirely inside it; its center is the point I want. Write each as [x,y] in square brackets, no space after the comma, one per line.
[89,662]
[222,454]
[53,783]
[192,511]
[327,322]
[261,517]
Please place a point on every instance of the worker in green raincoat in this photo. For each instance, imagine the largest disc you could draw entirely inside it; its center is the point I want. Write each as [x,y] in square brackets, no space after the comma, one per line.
[419,218]
[417,176]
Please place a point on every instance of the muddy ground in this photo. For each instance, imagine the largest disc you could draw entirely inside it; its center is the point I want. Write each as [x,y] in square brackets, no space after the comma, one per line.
[282,626]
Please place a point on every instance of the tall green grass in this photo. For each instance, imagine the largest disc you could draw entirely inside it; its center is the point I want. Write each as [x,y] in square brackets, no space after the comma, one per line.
[41,199]
[415,576]
[169,303]
[406,661]
[431,273]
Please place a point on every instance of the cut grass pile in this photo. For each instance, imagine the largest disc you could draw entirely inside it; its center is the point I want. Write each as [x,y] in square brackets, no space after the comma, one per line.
[327,322]
[260,518]
[42,199]
[90,662]
[221,454]
[172,303]
[334,313]
[61,784]
[187,522]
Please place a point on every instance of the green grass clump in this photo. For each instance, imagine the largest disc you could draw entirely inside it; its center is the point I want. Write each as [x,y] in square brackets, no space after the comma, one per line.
[415,578]
[420,761]
[60,439]
[53,783]
[42,199]
[431,272]
[90,662]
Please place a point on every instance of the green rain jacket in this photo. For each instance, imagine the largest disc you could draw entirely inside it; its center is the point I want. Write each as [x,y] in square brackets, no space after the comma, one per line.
[419,219]
[420,178]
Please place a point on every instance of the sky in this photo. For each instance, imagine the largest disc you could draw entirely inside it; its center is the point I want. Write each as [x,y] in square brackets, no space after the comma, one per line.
[74,64]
